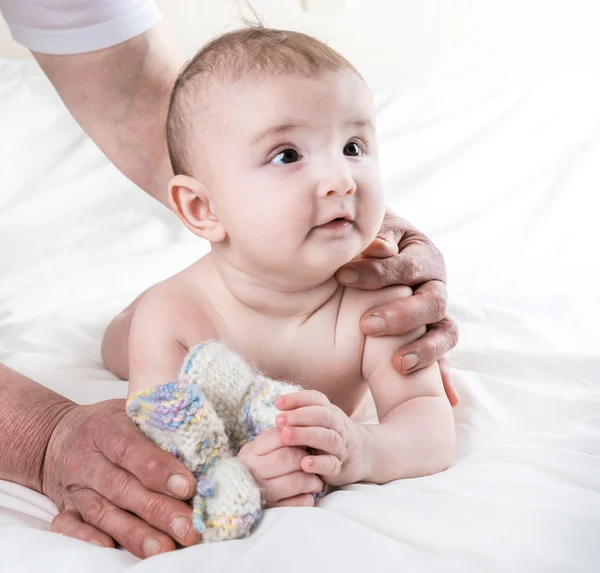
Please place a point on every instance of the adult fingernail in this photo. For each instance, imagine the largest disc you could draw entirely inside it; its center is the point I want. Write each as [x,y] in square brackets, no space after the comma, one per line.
[389,242]
[152,547]
[374,324]
[409,361]
[181,526]
[347,276]
[99,543]
[178,486]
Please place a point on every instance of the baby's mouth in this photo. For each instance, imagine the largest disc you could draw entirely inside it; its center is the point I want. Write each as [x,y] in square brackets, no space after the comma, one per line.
[336,224]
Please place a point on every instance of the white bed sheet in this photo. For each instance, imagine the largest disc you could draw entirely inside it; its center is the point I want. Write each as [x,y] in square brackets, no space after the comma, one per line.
[502,173]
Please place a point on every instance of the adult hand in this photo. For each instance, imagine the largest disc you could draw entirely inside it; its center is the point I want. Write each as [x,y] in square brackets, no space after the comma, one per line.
[278,470]
[111,484]
[400,254]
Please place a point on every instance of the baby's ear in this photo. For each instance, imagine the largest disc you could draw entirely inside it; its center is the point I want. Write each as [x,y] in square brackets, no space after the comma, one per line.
[190,200]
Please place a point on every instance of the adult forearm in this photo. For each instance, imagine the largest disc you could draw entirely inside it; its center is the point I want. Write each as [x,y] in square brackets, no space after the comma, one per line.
[415,439]
[120,97]
[29,413]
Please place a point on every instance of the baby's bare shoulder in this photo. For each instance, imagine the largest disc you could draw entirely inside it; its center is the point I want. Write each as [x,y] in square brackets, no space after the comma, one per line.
[177,305]
[357,301]
[354,304]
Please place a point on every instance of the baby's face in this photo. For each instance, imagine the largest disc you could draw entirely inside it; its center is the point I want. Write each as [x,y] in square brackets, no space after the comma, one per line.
[294,173]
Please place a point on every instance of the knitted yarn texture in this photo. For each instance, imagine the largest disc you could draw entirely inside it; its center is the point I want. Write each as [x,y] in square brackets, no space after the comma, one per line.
[219,403]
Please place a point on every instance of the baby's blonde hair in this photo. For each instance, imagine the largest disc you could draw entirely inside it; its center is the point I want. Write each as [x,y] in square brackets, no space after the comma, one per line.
[251,51]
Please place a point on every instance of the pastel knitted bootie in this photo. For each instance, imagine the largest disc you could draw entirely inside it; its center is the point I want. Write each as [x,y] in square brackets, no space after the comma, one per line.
[242,397]
[180,419]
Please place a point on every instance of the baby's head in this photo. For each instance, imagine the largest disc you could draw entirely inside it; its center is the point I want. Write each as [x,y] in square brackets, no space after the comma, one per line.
[272,140]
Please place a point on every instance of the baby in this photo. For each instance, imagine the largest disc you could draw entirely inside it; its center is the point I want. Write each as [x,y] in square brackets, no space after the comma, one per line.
[272,139]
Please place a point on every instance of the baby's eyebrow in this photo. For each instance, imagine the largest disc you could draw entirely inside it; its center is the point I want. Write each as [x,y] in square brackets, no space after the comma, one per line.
[274,130]
[285,127]
[362,123]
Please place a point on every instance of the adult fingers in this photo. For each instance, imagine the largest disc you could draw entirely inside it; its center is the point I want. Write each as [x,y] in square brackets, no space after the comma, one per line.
[394,228]
[449,386]
[70,523]
[413,266]
[426,306]
[418,260]
[127,530]
[382,247]
[157,470]
[439,339]
[125,491]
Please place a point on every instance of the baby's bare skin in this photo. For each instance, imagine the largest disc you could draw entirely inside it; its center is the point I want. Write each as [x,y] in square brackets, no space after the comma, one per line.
[290,192]
[319,350]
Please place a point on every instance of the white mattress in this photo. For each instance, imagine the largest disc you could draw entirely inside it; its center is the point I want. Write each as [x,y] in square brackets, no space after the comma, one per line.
[502,172]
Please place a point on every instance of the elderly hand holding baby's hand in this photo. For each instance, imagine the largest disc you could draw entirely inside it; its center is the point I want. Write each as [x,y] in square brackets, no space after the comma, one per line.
[403,255]
[310,420]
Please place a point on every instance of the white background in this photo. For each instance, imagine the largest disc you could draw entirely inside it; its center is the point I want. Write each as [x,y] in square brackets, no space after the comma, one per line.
[501,170]
[409,34]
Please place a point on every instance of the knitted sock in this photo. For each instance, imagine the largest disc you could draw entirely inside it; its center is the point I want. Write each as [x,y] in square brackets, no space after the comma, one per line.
[240,394]
[179,418]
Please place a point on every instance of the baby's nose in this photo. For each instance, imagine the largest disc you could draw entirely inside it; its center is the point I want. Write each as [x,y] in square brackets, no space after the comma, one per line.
[338,182]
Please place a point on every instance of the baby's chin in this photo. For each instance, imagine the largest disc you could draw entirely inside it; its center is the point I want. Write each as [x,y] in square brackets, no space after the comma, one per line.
[326,260]
[328,249]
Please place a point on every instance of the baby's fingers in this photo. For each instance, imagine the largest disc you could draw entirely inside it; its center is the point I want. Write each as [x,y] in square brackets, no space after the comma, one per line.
[291,485]
[311,416]
[304,500]
[301,399]
[317,438]
[322,465]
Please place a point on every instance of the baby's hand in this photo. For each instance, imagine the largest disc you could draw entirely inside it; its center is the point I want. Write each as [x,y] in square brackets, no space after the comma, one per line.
[277,469]
[310,420]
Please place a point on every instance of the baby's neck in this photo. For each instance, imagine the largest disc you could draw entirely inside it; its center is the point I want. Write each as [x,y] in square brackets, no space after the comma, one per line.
[266,297]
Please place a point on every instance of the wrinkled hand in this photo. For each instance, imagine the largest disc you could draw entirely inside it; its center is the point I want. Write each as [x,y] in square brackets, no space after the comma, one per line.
[310,420]
[111,484]
[403,255]
[278,470]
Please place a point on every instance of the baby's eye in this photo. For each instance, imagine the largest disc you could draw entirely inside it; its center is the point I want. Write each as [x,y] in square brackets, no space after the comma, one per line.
[352,149]
[286,157]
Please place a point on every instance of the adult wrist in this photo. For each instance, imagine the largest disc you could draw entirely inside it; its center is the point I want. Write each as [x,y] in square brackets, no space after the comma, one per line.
[37,434]
[29,414]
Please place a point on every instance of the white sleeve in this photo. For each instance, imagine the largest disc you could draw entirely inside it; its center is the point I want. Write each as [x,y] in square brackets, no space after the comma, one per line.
[76,26]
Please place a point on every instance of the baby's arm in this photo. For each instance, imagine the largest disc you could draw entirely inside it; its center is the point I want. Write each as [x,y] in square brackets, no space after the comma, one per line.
[156,355]
[155,351]
[415,435]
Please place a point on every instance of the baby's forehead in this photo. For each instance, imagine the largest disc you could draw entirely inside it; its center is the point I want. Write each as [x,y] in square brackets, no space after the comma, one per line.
[331,95]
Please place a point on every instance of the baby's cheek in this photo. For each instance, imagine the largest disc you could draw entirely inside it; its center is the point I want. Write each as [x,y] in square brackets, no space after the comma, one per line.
[370,223]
